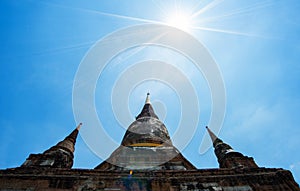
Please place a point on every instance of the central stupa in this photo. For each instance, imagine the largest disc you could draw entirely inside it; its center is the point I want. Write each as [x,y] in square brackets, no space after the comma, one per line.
[146,145]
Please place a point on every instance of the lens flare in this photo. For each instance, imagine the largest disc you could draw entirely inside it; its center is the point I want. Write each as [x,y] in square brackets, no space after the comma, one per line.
[180,20]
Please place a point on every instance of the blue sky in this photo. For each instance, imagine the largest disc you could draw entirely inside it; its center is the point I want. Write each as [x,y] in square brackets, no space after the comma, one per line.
[256,45]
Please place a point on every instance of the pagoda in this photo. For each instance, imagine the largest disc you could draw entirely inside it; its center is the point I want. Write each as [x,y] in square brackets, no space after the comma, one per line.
[146,145]
[145,160]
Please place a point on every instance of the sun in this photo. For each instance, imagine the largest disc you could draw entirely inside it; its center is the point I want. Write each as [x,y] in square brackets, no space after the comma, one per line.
[180,20]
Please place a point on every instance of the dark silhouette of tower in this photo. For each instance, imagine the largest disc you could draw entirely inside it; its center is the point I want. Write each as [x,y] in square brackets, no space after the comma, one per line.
[59,156]
[146,145]
[227,157]
[145,160]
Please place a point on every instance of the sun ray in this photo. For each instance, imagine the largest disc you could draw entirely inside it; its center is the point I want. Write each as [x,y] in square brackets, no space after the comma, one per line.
[211,5]
[128,17]
[179,20]
[108,14]
[159,7]
[185,21]
[196,7]
[138,49]
[228,32]
[241,11]
[65,48]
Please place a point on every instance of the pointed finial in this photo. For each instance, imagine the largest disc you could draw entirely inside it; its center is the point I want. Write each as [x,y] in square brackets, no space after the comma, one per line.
[78,127]
[148,99]
[147,110]
[211,134]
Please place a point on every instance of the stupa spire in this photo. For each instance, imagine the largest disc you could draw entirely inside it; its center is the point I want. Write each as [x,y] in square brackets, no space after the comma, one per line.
[70,140]
[148,99]
[147,110]
[227,157]
[211,134]
[79,126]
[59,156]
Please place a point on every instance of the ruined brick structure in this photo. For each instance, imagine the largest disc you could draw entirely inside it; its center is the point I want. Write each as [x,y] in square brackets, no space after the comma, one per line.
[145,160]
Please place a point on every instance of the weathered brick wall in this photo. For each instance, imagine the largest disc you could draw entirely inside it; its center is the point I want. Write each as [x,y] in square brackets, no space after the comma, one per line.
[94,180]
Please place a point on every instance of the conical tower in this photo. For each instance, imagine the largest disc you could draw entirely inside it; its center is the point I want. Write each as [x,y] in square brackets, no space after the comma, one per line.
[227,157]
[59,156]
[146,145]
[147,130]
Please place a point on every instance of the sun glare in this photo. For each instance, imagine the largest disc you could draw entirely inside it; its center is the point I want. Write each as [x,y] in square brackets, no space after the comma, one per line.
[180,20]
